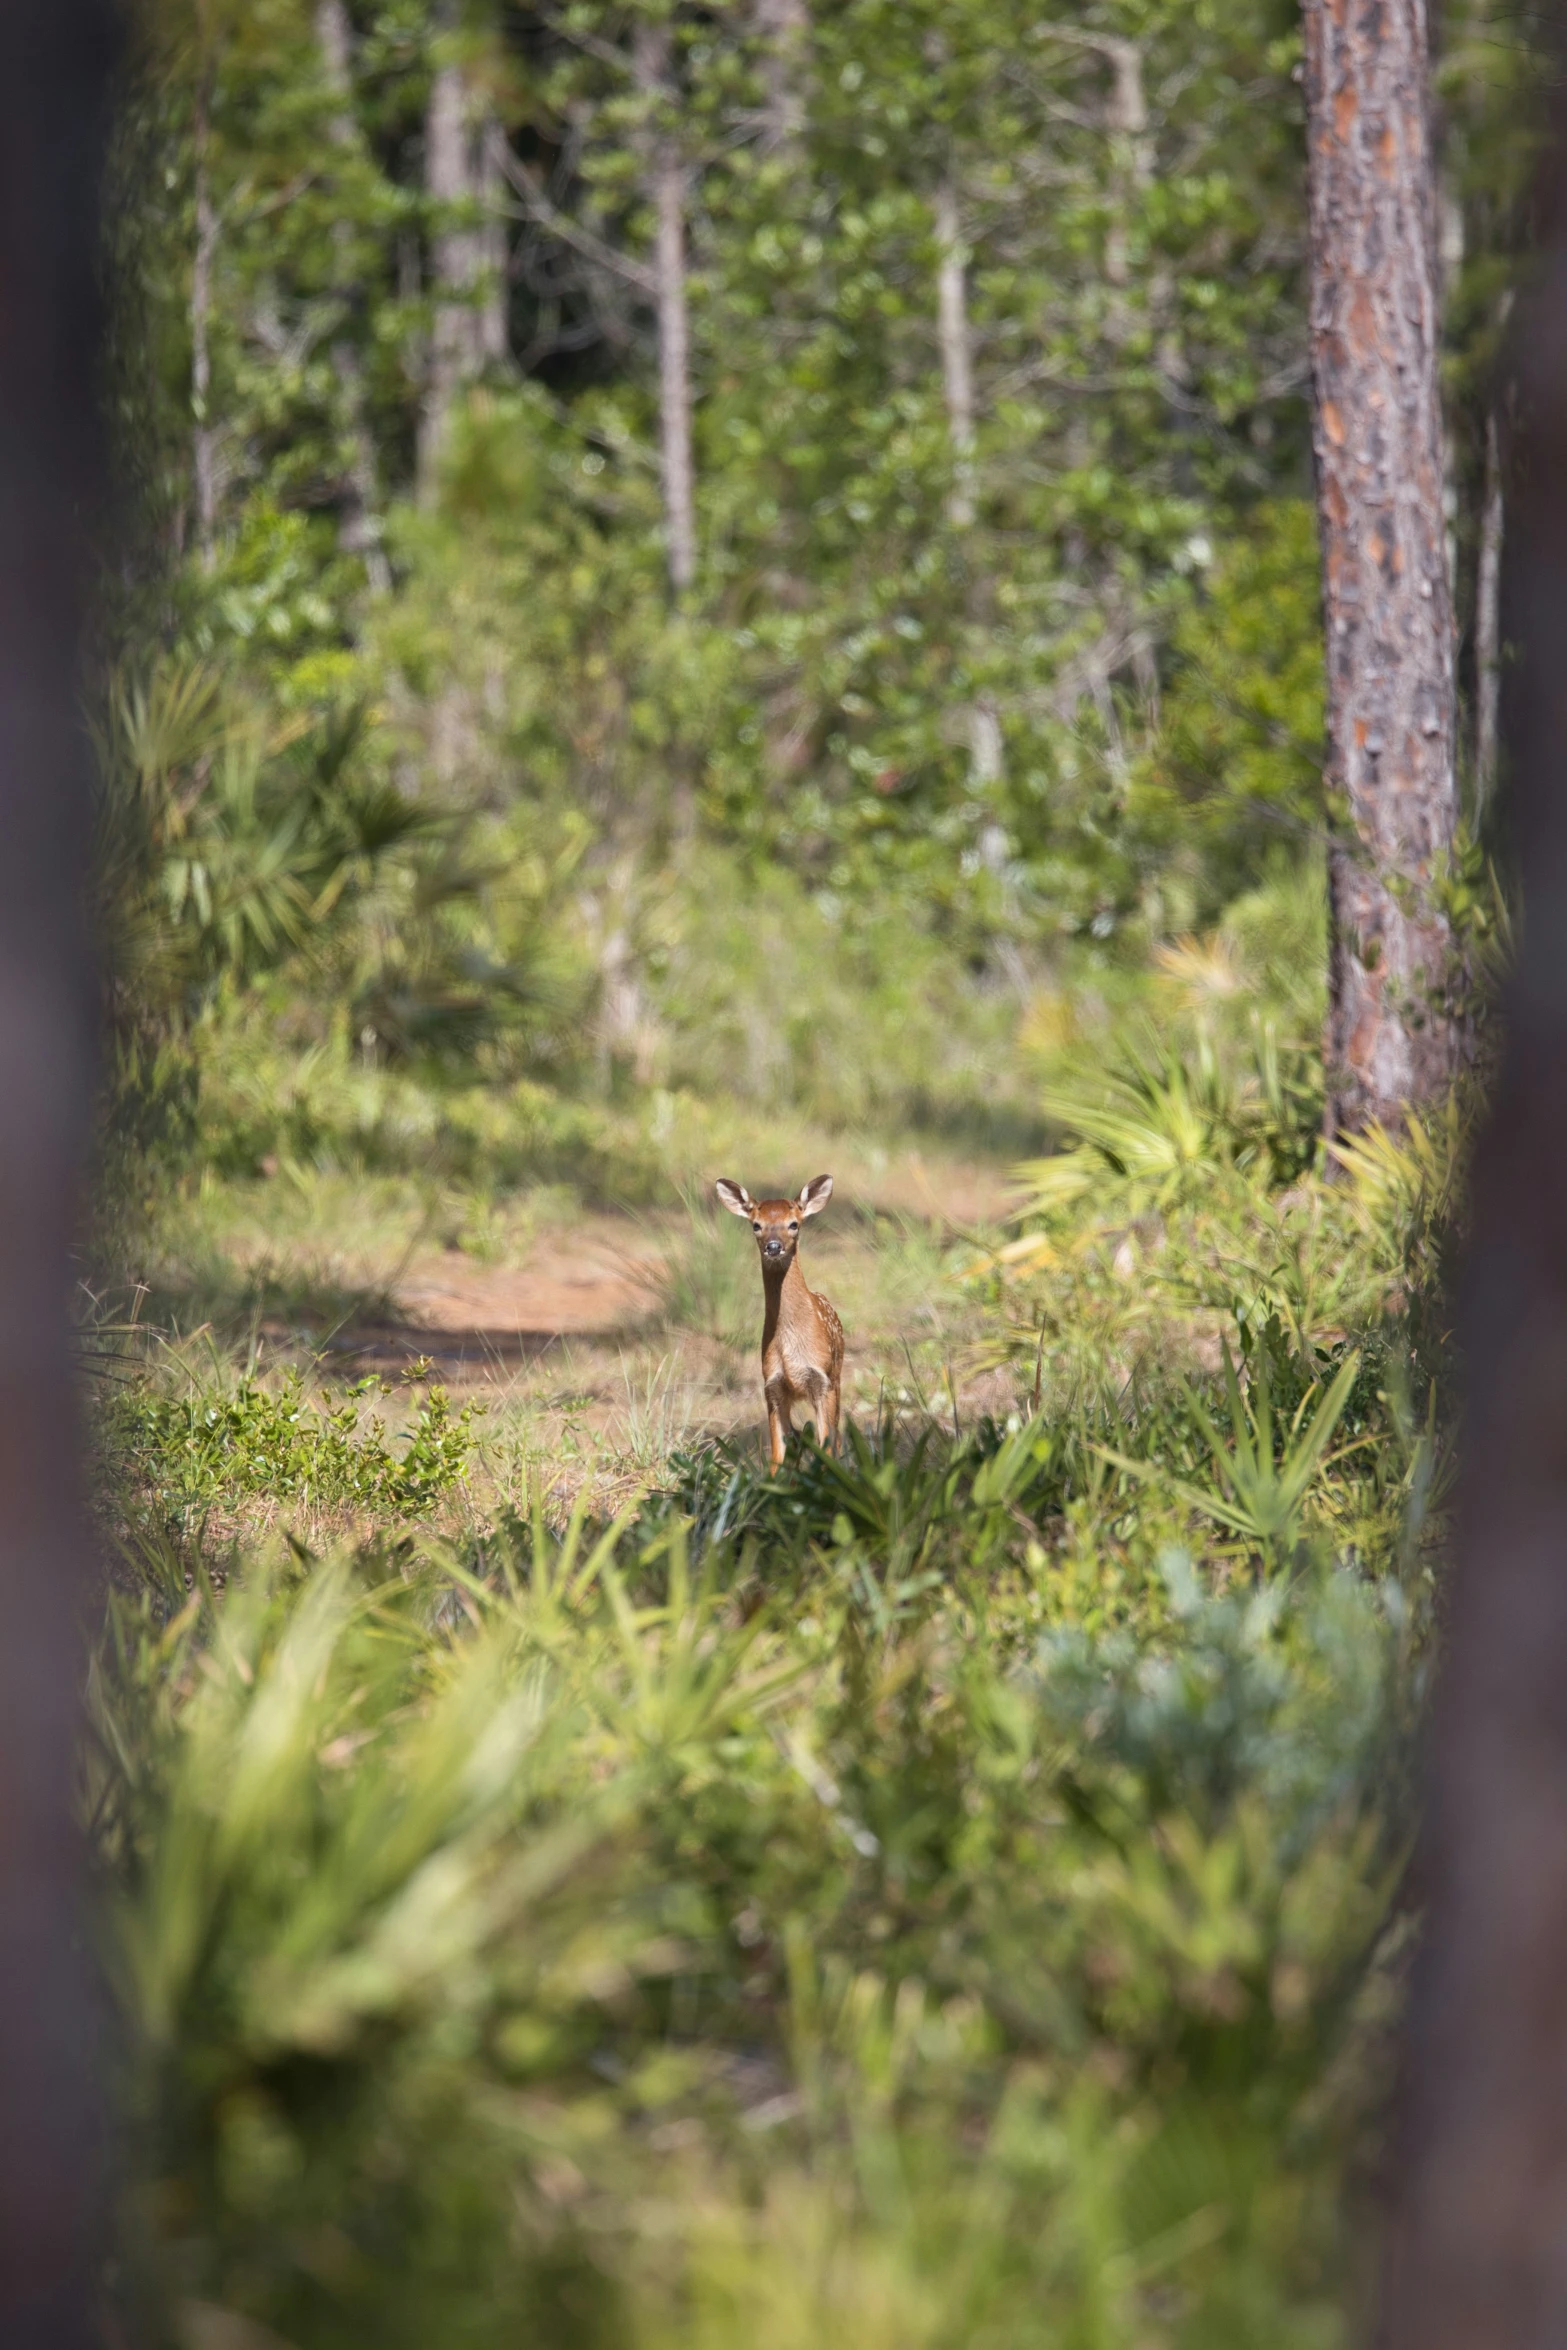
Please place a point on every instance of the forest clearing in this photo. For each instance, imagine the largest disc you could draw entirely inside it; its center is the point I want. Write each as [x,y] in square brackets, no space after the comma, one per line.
[698,598]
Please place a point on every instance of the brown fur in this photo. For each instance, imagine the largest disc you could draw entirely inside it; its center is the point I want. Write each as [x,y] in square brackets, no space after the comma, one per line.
[802,1337]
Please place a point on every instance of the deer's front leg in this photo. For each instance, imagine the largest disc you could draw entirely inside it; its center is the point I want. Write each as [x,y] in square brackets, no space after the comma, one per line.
[777,1431]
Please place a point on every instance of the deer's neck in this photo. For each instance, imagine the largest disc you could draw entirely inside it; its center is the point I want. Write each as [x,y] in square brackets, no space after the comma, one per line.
[787,1302]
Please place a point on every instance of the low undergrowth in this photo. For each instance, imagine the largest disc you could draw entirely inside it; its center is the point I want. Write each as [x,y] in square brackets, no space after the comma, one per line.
[942,1895]
[189,1449]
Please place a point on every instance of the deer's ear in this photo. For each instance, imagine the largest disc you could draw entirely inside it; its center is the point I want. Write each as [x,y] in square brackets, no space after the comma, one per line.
[815,1195]
[733,1196]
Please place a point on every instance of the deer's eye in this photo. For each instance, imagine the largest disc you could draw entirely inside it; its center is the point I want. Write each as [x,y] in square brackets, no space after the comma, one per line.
[756,1227]
[794,1227]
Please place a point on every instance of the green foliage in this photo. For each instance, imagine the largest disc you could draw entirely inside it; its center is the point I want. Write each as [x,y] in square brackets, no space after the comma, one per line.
[1166,1126]
[436,1944]
[1136,320]
[186,1452]
[942,1894]
[1238,752]
[1257,1491]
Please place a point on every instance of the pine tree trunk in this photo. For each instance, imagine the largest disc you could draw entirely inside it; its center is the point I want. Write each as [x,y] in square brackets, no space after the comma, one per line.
[1478,2246]
[957,359]
[203,442]
[784,30]
[1127,119]
[1392,1035]
[55,64]
[491,340]
[667,194]
[986,754]
[468,253]
[359,528]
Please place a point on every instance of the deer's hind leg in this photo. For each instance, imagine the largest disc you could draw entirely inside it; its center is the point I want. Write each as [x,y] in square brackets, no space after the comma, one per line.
[835,1389]
[825,1407]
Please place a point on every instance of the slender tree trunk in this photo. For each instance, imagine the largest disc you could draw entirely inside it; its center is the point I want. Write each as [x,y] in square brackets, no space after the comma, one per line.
[55,60]
[667,194]
[1128,123]
[1392,1037]
[204,446]
[957,360]
[492,343]
[1488,620]
[1478,2255]
[784,28]
[986,755]
[359,528]
[446,185]
[468,252]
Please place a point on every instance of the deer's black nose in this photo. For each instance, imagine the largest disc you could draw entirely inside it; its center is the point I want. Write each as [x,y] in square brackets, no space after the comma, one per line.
[772,1248]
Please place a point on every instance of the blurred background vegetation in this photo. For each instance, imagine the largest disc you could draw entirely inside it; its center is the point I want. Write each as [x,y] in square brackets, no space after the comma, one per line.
[998,663]
[556,1878]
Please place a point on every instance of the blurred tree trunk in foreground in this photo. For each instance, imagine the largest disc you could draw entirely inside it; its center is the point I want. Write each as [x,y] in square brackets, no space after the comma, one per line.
[1479,2251]
[1488,619]
[1387,609]
[54,63]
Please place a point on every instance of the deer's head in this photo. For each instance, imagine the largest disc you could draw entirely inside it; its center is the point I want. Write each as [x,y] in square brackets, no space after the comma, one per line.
[776,1222]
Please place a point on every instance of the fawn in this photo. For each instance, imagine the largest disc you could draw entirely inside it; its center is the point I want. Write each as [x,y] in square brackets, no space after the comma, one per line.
[802,1337]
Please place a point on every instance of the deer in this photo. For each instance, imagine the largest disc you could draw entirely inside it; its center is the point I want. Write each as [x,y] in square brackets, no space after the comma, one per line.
[802,1337]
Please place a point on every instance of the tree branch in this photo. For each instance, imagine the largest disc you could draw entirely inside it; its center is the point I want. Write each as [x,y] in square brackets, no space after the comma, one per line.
[538,208]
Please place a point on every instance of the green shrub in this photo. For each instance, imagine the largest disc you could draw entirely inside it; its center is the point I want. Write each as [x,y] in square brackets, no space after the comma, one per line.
[189,1451]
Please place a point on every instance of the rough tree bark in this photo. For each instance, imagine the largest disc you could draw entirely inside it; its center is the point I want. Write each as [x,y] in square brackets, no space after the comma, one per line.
[1392,1038]
[359,528]
[1479,2247]
[666,187]
[55,57]
[463,175]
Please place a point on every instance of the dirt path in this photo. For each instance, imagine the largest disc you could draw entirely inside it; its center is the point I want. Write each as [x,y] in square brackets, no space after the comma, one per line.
[597,1280]
[596,1342]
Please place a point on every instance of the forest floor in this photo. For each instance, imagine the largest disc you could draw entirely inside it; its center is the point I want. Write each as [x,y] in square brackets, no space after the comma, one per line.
[593,1343]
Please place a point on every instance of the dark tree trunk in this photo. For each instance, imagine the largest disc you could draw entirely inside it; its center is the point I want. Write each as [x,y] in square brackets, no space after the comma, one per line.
[1488,619]
[1479,2254]
[1392,1038]
[54,64]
